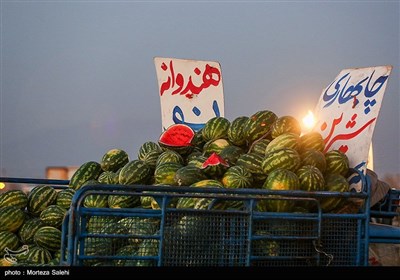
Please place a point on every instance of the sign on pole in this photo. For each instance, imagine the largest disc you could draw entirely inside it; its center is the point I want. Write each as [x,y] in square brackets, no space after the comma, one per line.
[191,91]
[348,109]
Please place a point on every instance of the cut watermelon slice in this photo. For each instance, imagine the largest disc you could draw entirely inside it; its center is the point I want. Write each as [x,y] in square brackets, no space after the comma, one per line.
[177,135]
[213,160]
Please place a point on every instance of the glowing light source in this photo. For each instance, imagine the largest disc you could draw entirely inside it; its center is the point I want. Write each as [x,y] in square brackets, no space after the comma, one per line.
[309,120]
[2,185]
[370,162]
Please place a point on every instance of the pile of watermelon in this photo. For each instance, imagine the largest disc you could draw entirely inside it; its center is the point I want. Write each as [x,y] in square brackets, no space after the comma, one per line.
[262,151]
[30,225]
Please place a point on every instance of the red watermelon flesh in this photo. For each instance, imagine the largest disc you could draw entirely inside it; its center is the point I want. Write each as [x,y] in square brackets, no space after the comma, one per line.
[214,159]
[177,135]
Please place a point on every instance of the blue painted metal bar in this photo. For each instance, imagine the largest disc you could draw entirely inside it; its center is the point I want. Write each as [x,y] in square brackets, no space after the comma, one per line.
[64,240]
[33,181]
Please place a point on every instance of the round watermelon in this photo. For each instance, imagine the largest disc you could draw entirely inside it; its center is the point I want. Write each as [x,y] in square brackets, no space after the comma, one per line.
[113,160]
[237,177]
[283,158]
[285,124]
[336,163]
[259,125]
[216,128]
[279,179]
[236,133]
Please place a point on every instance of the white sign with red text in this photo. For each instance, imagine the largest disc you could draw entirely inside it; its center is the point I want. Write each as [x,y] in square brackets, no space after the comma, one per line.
[348,109]
[191,91]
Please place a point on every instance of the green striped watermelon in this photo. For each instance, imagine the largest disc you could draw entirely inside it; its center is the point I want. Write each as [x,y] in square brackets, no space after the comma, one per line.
[13,198]
[149,153]
[48,237]
[311,140]
[259,125]
[236,133]
[189,174]
[279,179]
[198,140]
[197,161]
[38,255]
[96,201]
[8,240]
[336,163]
[135,172]
[311,178]
[151,158]
[205,203]
[285,124]
[282,179]
[64,198]
[215,146]
[28,230]
[231,154]
[165,173]
[216,128]
[108,178]
[334,183]
[113,160]
[285,158]
[87,171]
[237,177]
[252,162]
[91,183]
[260,146]
[145,201]
[169,156]
[11,218]
[315,158]
[189,202]
[123,201]
[39,198]
[285,140]
[148,147]
[171,202]
[53,215]
[194,154]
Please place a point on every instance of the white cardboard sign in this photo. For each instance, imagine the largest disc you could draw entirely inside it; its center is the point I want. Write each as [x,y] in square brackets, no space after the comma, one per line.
[191,91]
[347,111]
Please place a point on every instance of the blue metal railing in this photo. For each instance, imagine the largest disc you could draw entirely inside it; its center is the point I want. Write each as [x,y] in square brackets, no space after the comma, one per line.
[75,234]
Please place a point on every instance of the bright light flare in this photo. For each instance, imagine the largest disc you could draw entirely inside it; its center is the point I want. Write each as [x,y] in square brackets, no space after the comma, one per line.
[2,185]
[309,120]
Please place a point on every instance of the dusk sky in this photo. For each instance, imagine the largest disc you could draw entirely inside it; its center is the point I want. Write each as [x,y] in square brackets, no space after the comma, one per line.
[78,77]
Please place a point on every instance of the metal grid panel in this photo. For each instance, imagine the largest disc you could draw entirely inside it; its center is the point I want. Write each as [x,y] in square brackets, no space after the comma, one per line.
[214,238]
[339,243]
[205,238]
[119,241]
[284,242]
[340,240]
